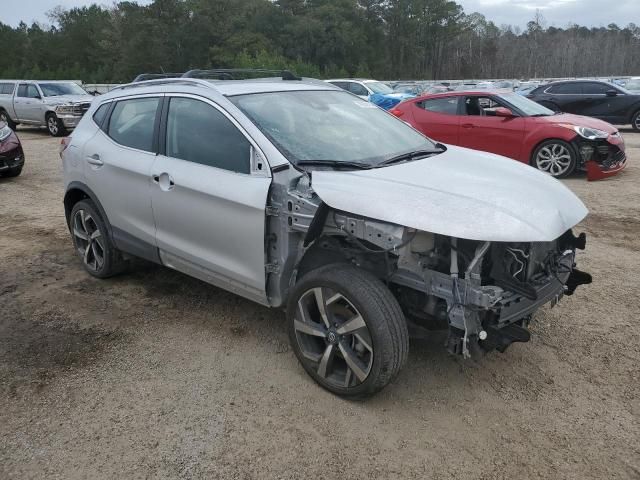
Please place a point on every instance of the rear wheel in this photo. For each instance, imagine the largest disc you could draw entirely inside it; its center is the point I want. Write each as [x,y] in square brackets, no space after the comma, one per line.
[91,240]
[347,330]
[635,121]
[55,126]
[555,157]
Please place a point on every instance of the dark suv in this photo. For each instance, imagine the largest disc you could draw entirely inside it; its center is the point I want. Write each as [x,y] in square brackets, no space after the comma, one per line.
[602,100]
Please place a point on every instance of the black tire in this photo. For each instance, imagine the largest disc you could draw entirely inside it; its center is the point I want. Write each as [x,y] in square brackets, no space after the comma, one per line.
[4,117]
[13,172]
[385,328]
[83,220]
[544,156]
[635,121]
[55,127]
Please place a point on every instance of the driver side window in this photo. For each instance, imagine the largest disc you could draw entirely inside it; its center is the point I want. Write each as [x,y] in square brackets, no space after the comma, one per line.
[481,106]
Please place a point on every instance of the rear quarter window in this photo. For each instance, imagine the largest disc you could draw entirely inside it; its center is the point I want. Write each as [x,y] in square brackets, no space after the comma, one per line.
[445,105]
[566,89]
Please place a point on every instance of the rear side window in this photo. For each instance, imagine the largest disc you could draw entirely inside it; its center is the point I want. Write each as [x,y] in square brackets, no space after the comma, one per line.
[446,105]
[200,133]
[132,123]
[594,88]
[358,89]
[566,89]
[343,85]
[101,112]
[6,88]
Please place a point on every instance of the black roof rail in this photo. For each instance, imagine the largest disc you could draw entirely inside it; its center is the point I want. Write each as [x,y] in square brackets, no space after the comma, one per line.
[155,76]
[233,73]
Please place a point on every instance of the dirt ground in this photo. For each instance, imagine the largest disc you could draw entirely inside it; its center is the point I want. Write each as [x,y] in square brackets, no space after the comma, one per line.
[155,375]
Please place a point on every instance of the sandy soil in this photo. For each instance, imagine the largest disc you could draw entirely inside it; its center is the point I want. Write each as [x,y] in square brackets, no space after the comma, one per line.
[156,375]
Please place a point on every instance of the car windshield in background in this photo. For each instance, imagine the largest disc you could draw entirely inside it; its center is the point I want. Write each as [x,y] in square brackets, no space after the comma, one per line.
[331,127]
[379,87]
[526,106]
[57,89]
[633,85]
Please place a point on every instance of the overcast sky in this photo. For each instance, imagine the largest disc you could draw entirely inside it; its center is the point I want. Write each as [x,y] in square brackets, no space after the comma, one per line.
[514,12]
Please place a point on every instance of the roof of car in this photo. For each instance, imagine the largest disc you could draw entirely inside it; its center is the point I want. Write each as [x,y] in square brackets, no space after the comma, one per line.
[459,93]
[365,80]
[224,87]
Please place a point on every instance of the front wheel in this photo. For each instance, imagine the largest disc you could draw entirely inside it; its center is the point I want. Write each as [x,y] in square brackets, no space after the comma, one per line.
[635,121]
[55,126]
[5,118]
[555,157]
[347,330]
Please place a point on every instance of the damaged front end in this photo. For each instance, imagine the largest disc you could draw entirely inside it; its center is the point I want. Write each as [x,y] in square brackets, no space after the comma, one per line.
[601,158]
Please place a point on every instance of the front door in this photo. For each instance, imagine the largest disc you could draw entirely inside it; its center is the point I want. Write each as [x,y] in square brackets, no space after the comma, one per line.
[480,129]
[208,204]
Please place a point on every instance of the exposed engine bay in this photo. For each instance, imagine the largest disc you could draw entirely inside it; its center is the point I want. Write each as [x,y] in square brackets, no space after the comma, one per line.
[484,293]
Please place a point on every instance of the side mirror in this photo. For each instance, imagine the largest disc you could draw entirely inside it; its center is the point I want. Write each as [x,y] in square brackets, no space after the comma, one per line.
[612,93]
[503,112]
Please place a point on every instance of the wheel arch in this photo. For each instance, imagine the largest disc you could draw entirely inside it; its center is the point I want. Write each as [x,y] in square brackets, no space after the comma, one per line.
[570,140]
[77,191]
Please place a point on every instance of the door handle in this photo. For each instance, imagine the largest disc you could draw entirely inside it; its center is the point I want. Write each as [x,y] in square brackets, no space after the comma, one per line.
[164,180]
[468,125]
[95,160]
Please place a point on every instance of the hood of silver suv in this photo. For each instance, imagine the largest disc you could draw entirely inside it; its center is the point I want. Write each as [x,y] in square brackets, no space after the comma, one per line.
[460,193]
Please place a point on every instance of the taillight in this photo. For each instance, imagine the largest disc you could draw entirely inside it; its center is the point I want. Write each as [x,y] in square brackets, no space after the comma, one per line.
[397,112]
[64,143]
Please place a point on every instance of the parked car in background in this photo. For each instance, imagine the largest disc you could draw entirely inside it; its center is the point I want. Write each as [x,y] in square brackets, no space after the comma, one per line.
[413,89]
[633,85]
[606,101]
[300,196]
[11,153]
[57,105]
[437,89]
[509,124]
[376,92]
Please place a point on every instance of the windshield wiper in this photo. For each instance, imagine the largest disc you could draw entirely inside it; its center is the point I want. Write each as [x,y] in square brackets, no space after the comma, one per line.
[336,163]
[405,157]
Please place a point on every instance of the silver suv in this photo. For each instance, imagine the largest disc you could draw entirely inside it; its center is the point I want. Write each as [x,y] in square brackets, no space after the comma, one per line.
[298,195]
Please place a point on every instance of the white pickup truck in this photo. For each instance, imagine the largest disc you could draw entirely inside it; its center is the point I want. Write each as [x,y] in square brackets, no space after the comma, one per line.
[57,105]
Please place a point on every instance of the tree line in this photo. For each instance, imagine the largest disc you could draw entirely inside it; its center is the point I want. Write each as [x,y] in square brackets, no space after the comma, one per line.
[385,39]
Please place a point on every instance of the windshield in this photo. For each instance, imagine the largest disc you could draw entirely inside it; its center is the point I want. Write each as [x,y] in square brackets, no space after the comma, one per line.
[526,106]
[55,89]
[633,84]
[379,87]
[330,126]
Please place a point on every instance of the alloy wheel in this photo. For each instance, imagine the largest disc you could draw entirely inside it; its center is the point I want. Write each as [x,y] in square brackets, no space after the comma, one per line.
[333,336]
[52,124]
[554,159]
[88,240]
[636,122]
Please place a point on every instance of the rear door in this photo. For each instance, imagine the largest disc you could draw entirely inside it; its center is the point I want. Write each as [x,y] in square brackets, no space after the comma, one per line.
[568,97]
[480,129]
[438,118]
[118,161]
[27,104]
[209,199]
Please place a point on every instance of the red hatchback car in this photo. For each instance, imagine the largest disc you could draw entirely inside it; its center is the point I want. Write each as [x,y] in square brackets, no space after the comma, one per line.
[509,124]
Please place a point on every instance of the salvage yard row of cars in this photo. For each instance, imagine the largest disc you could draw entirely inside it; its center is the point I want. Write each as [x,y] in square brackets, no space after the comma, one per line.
[297,194]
